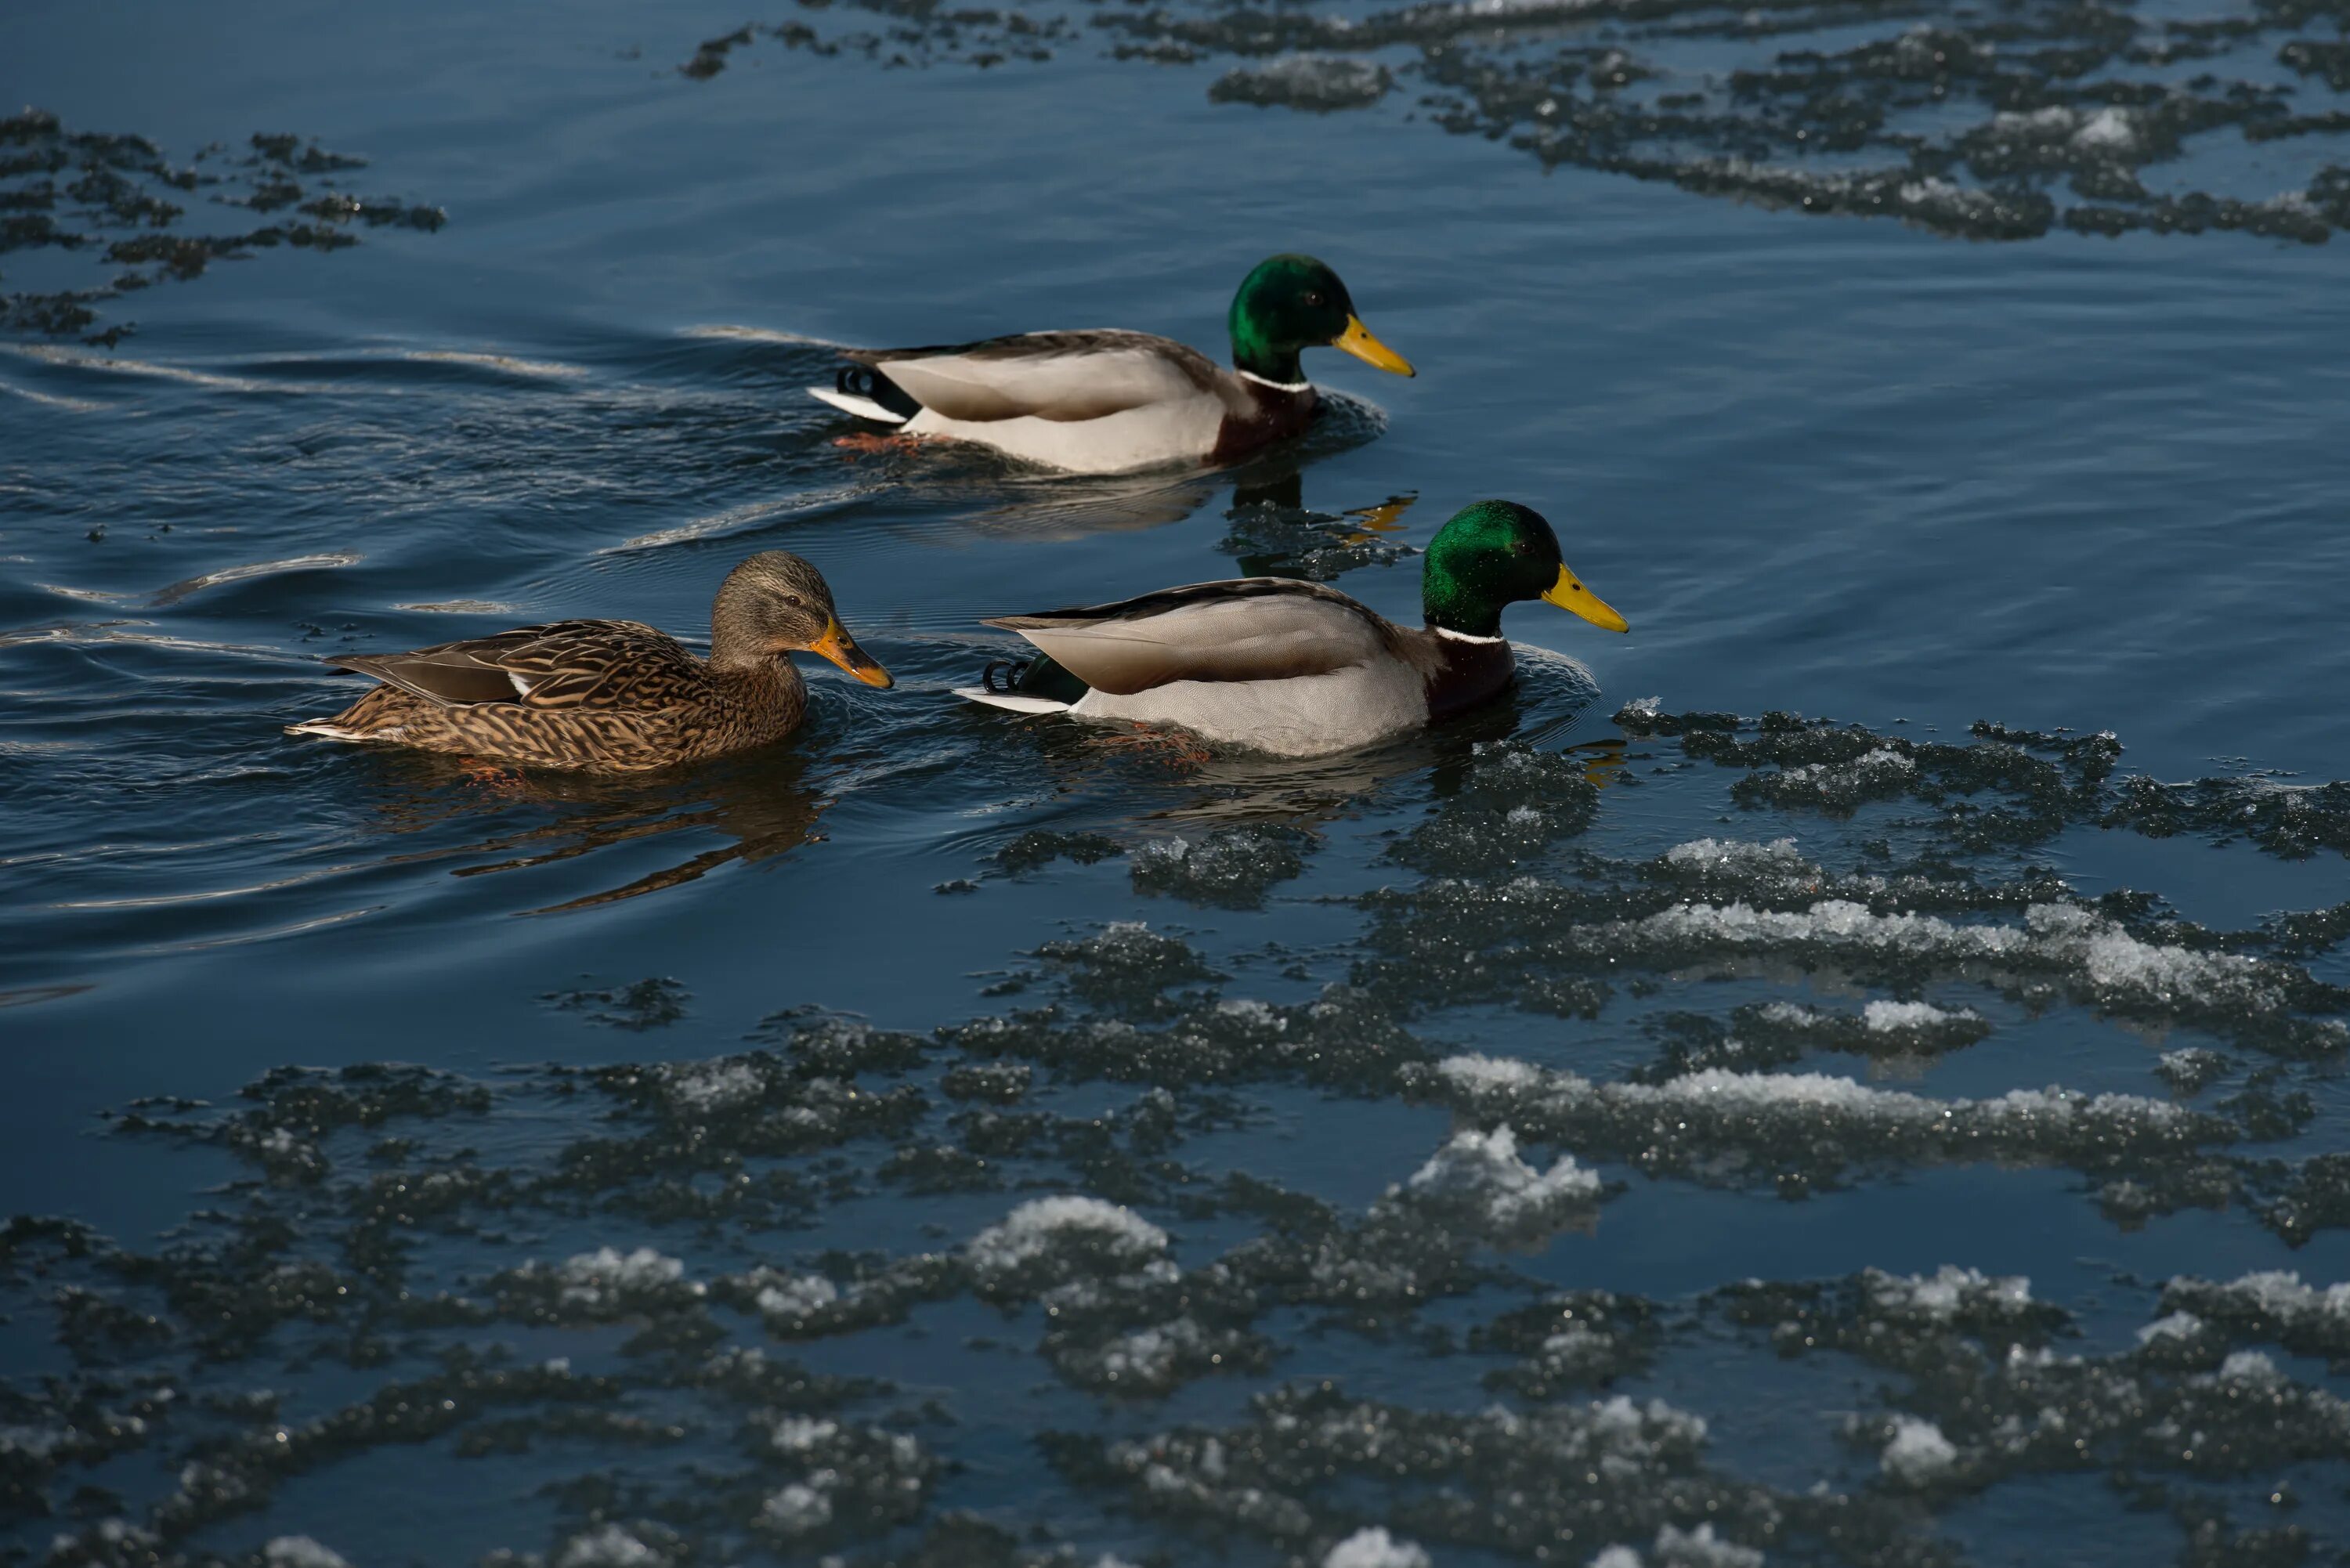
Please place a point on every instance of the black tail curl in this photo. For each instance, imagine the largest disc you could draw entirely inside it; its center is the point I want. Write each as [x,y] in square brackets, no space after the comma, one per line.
[864,381]
[1033,677]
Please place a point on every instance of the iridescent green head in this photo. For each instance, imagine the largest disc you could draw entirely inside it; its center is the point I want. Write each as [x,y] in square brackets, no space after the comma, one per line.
[1290,304]
[1492,556]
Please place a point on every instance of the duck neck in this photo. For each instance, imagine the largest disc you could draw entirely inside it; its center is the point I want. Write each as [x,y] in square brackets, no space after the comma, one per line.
[737,652]
[1452,604]
[1255,351]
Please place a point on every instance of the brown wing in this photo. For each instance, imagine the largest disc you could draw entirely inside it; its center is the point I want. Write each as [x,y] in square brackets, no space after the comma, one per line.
[1046,375]
[1250,629]
[566,664]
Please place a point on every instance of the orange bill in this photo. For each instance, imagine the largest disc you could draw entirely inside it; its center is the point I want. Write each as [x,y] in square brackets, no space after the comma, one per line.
[1569,595]
[1358,340]
[837,645]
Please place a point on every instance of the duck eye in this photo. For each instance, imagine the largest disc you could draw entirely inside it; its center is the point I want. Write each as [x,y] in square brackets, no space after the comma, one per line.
[793,600]
[1313,296]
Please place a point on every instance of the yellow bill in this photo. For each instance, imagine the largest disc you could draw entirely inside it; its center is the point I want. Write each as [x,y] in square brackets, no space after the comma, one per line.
[837,645]
[1572,596]
[1358,340]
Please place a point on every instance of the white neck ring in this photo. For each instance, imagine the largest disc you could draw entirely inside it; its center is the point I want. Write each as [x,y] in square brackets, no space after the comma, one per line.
[1276,386]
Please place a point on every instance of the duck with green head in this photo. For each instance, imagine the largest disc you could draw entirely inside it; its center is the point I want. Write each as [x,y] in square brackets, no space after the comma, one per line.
[1107,400]
[1297,668]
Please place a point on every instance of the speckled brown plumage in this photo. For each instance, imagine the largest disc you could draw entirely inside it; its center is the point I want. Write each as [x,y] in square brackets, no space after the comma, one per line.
[611,696]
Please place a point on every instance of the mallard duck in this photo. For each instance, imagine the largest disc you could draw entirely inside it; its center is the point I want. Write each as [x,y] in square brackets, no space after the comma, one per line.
[1108,402]
[611,696]
[1297,668]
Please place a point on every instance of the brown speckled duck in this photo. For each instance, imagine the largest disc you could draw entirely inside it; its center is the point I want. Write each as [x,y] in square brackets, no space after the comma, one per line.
[612,696]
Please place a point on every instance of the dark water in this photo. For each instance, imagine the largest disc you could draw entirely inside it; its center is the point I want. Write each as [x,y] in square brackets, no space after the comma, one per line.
[2016,544]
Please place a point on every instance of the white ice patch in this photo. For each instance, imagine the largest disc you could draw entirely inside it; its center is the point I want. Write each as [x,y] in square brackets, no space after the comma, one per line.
[799,1434]
[1738,854]
[1375,1548]
[708,1086]
[793,1298]
[1485,1169]
[2178,1325]
[301,1551]
[1029,1231]
[2108,130]
[1501,1089]
[601,1278]
[610,1547]
[1898,1017]
[1917,1453]
[1943,1294]
[796,1510]
[2279,1293]
[1698,1548]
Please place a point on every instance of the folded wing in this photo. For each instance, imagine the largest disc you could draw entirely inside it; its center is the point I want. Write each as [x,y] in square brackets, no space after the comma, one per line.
[1061,376]
[1251,628]
[565,664]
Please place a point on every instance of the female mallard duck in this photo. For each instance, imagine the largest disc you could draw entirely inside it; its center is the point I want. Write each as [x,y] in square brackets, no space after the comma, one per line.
[1108,402]
[612,696]
[1297,668]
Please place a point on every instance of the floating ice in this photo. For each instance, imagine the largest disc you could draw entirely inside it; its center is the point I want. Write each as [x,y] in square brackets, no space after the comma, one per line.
[795,1297]
[1942,1297]
[701,1086]
[605,1276]
[613,1546]
[1917,1453]
[1701,1116]
[1375,1548]
[1231,866]
[1698,1548]
[1040,1232]
[300,1552]
[1896,1017]
[1481,1173]
[797,1509]
[1316,82]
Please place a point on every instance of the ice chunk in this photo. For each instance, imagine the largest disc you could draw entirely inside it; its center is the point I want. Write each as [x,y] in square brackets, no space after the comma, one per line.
[1315,82]
[300,1552]
[1034,1229]
[1483,1173]
[1917,1453]
[603,1277]
[613,1546]
[1944,1294]
[2177,1325]
[797,1509]
[1894,1017]
[793,1297]
[1375,1548]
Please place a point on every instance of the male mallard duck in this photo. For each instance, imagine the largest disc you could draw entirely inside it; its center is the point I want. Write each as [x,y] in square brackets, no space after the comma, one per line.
[1106,401]
[1297,668]
[612,696]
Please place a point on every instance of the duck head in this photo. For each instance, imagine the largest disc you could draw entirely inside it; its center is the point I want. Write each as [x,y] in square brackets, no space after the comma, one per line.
[1291,303]
[775,604]
[1492,555]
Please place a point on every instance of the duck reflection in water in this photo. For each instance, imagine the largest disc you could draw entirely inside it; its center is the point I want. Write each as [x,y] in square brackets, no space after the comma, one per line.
[760,805]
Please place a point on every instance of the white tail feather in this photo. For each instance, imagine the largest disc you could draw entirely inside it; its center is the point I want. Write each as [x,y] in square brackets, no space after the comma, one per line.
[1012,701]
[327,729]
[850,403]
